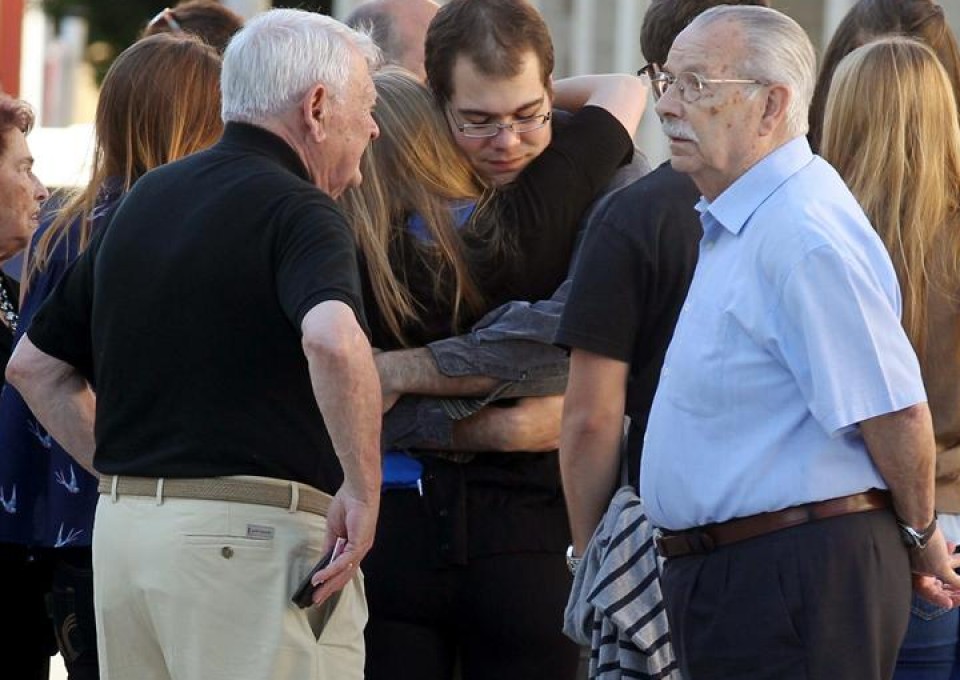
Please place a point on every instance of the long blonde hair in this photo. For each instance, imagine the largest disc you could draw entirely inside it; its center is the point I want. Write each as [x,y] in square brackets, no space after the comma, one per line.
[159,101]
[412,168]
[891,129]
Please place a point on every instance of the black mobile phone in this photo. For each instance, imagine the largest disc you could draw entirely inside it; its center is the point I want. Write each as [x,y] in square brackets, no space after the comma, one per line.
[303,597]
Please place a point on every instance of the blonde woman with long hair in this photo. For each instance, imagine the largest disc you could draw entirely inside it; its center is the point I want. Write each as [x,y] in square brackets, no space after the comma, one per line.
[892,130]
[159,101]
[417,192]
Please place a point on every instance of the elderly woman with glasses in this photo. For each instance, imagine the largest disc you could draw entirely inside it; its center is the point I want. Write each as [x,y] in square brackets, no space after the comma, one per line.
[21,195]
[29,638]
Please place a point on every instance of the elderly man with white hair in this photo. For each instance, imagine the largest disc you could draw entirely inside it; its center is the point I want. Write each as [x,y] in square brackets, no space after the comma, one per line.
[236,419]
[789,453]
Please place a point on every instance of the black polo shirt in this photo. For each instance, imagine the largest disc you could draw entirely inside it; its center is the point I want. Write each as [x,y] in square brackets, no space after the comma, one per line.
[630,281]
[185,313]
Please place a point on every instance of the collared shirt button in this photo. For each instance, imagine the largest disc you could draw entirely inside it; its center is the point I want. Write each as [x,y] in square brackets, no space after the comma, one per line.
[226,551]
[708,245]
[443,512]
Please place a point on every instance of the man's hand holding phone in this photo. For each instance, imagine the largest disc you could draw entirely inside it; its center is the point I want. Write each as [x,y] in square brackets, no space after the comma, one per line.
[303,597]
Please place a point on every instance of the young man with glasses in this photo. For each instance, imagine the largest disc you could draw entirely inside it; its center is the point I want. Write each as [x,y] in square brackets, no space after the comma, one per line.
[485,531]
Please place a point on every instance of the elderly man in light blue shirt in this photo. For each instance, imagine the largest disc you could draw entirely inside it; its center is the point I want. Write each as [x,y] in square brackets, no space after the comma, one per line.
[789,453]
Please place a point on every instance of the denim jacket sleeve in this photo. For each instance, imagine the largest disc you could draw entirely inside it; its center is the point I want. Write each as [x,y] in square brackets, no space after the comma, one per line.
[512,343]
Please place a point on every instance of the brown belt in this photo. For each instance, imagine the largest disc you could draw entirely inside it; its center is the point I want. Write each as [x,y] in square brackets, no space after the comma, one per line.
[704,539]
[277,494]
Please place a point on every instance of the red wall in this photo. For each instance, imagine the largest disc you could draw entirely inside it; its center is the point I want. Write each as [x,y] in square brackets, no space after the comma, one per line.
[11,24]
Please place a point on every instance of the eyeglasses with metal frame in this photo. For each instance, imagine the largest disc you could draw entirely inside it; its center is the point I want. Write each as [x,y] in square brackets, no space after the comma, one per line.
[485,130]
[690,86]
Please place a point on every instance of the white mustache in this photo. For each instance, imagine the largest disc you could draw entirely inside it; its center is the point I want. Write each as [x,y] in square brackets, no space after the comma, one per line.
[678,130]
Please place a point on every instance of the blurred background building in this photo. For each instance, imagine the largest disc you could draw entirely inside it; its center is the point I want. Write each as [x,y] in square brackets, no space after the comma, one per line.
[52,53]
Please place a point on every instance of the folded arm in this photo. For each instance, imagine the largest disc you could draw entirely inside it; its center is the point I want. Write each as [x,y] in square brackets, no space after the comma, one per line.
[622,95]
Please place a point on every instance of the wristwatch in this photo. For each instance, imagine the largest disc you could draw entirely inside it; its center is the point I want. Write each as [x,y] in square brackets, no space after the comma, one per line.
[572,561]
[917,539]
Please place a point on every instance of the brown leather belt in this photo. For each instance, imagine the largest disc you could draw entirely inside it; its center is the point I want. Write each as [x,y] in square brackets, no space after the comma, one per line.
[703,539]
[253,490]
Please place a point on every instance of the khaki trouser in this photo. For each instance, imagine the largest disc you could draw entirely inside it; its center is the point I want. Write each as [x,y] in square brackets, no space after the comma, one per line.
[191,589]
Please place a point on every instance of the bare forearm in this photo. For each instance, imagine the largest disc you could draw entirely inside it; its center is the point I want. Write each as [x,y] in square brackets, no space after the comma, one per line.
[532,425]
[590,440]
[59,397]
[902,447]
[414,371]
[347,391]
[623,96]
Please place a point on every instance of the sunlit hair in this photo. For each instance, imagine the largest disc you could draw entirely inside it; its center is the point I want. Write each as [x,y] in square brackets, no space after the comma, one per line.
[891,129]
[870,19]
[413,167]
[777,50]
[274,60]
[15,114]
[159,102]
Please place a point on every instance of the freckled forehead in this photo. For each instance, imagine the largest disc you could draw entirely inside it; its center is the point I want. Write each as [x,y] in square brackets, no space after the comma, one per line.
[712,50]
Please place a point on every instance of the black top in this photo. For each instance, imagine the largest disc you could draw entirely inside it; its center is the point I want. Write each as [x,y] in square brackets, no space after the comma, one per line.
[6,334]
[185,312]
[630,281]
[538,216]
[505,502]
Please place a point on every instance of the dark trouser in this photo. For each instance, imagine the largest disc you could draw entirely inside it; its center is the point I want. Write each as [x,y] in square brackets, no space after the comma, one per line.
[498,617]
[822,601]
[48,602]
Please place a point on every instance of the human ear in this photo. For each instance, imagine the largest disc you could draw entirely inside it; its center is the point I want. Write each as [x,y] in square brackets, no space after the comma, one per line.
[775,108]
[313,109]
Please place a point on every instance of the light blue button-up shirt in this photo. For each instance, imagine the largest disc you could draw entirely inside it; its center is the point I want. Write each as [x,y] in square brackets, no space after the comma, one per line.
[790,335]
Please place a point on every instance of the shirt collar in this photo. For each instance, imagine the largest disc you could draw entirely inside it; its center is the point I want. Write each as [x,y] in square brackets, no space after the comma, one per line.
[734,207]
[260,140]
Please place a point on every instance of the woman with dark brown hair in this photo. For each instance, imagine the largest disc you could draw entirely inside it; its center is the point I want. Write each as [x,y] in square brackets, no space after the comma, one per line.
[159,101]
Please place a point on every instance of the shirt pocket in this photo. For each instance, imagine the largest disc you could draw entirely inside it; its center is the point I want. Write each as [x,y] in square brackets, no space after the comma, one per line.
[694,374]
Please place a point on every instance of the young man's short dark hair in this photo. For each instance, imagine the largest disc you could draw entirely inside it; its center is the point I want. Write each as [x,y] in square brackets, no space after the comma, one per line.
[494,34]
[665,19]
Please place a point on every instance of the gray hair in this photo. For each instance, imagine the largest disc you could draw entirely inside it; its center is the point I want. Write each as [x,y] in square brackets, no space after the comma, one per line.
[274,60]
[778,51]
